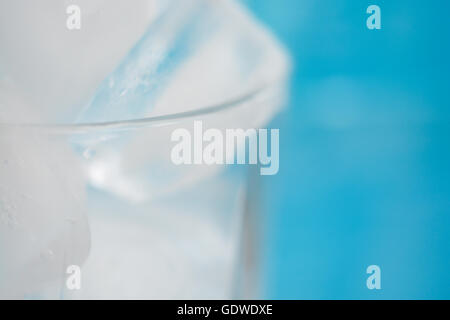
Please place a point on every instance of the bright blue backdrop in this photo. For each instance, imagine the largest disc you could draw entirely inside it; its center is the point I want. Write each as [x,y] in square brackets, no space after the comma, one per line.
[365,152]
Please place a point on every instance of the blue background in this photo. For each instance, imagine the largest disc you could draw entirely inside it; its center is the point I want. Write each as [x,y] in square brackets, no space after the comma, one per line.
[365,153]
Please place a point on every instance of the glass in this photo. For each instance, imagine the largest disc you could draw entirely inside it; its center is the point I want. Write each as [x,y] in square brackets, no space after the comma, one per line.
[100,204]
[107,198]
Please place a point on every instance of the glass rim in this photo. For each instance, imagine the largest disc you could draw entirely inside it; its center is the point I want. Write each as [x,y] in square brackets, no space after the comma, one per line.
[151,121]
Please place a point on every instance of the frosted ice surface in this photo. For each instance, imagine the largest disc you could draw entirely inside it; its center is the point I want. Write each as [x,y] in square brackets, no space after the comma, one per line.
[43,223]
[13,105]
[56,69]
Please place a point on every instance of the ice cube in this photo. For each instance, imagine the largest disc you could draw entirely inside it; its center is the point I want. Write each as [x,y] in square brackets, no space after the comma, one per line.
[129,91]
[43,223]
[59,69]
[201,54]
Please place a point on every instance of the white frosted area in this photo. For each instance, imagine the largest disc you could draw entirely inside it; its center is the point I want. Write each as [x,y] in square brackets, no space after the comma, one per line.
[13,105]
[43,222]
[150,260]
[59,70]
[180,247]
